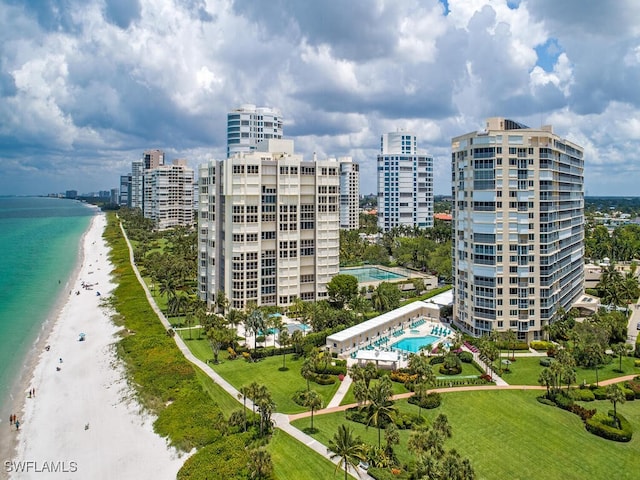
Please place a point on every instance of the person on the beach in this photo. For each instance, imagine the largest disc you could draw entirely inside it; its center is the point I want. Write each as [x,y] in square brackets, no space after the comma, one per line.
[17,424]
[60,359]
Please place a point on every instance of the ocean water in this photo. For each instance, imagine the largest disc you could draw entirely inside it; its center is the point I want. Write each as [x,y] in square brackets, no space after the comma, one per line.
[39,245]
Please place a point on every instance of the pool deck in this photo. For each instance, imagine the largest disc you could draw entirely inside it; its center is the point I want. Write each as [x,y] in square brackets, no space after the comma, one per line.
[404,273]
[409,330]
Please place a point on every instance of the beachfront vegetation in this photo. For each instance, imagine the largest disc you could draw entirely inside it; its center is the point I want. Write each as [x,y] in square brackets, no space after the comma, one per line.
[191,410]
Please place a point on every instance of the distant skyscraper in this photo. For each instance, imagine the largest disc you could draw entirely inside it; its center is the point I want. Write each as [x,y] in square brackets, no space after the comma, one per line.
[518,228]
[125,191]
[248,125]
[405,183]
[153,159]
[269,227]
[349,194]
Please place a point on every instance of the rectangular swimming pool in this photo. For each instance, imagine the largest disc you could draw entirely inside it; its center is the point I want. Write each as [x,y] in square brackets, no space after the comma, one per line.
[413,344]
[371,274]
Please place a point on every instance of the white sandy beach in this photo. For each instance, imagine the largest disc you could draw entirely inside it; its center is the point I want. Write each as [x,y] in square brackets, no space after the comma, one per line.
[82,421]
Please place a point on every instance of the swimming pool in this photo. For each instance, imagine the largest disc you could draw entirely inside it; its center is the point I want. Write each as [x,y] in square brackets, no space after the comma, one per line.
[413,344]
[371,274]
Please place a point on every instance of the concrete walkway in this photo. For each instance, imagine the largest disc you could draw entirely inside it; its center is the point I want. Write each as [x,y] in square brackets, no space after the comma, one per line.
[280,420]
[341,392]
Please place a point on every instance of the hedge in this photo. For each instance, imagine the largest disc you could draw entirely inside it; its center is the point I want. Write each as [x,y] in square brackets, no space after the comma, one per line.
[582,395]
[429,401]
[601,425]
[466,357]
[541,345]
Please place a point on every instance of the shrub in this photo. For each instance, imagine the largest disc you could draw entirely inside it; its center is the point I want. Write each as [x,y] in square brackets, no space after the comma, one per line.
[636,363]
[429,401]
[466,357]
[600,393]
[332,370]
[634,386]
[436,360]
[402,377]
[546,362]
[454,370]
[603,426]
[629,394]
[563,401]
[546,401]
[323,379]
[541,345]
[582,395]
[519,345]
[299,397]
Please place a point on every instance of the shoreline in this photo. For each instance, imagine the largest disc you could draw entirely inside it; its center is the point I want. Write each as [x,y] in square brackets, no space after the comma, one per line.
[84,418]
[16,401]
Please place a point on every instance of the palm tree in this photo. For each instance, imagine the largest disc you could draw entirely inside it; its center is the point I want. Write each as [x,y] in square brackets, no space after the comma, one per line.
[296,340]
[348,448]
[511,338]
[260,464]
[615,396]
[620,350]
[283,340]
[546,378]
[360,392]
[380,407]
[312,401]
[243,392]
[307,370]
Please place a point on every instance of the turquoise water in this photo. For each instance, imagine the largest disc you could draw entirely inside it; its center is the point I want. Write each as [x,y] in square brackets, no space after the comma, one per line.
[39,244]
[371,274]
[413,344]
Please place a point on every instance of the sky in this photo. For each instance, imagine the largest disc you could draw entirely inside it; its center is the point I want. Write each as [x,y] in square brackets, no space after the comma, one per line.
[86,86]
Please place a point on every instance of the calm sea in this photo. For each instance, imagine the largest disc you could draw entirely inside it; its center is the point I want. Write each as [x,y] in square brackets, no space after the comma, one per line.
[39,245]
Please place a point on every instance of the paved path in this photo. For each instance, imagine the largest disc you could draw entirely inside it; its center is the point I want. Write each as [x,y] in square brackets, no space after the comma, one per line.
[280,421]
[341,392]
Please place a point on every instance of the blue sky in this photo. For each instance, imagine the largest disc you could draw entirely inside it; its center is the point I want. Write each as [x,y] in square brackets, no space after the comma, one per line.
[87,85]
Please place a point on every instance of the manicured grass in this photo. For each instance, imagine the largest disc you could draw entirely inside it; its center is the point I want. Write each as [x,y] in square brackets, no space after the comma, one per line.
[508,434]
[525,371]
[293,460]
[282,385]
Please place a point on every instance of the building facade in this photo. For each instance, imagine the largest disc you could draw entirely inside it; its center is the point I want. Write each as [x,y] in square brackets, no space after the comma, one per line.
[268,225]
[518,228]
[125,191]
[248,125]
[168,195]
[349,194]
[405,183]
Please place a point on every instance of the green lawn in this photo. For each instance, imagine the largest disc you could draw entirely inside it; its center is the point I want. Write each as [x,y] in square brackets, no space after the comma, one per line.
[508,434]
[282,385]
[293,460]
[525,371]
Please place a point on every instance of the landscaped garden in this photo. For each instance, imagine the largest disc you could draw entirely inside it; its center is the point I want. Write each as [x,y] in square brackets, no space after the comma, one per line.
[526,371]
[508,434]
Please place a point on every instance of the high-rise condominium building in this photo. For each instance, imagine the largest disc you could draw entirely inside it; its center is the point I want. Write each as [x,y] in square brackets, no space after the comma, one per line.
[150,159]
[269,226]
[168,195]
[349,194]
[405,183]
[518,228]
[248,125]
[125,191]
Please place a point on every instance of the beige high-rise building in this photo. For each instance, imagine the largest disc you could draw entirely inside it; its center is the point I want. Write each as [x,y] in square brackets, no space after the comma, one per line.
[168,195]
[518,228]
[268,226]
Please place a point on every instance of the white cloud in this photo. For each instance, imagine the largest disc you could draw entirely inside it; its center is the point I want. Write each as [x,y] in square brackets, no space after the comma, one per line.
[94,83]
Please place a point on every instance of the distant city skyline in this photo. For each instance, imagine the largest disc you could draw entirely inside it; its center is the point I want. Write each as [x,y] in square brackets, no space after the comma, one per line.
[86,87]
